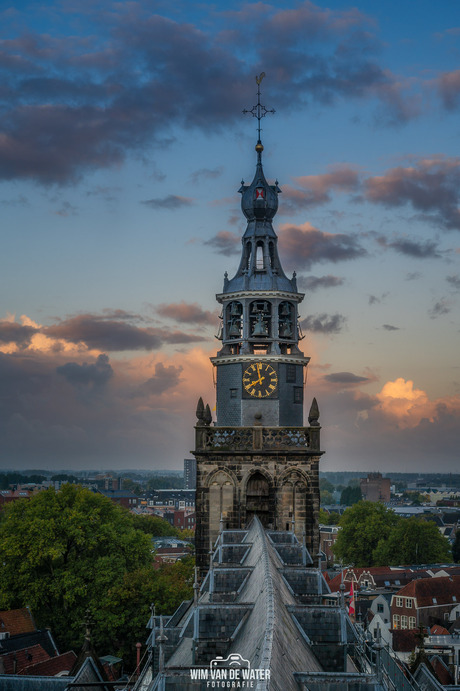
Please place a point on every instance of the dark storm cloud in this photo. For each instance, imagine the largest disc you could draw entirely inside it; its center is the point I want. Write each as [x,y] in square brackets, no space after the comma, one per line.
[347,378]
[11,332]
[390,327]
[186,313]
[81,103]
[111,335]
[164,378]
[96,374]
[412,248]
[171,201]
[324,323]
[303,246]
[431,186]
[312,283]
[225,242]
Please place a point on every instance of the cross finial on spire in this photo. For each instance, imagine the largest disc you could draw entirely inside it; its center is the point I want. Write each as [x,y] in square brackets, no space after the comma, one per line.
[259,111]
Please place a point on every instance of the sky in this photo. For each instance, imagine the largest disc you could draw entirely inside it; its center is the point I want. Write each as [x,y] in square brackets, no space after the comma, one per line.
[122,148]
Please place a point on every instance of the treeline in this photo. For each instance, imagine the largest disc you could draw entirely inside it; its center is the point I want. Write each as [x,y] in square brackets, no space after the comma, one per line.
[69,552]
[372,535]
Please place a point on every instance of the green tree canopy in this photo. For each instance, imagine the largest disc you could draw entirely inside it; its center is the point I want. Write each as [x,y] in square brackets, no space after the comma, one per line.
[351,495]
[68,551]
[153,525]
[412,541]
[332,518]
[362,527]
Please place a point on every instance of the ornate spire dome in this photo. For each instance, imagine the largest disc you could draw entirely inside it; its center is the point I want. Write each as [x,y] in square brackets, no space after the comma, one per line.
[260,267]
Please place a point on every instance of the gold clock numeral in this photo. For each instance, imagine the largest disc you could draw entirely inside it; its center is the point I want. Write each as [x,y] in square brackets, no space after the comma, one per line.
[260,380]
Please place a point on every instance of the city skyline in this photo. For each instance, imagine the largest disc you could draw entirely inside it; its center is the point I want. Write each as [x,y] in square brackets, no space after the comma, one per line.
[122,147]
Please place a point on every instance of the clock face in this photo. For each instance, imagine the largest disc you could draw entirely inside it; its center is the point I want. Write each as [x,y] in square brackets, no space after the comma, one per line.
[260,380]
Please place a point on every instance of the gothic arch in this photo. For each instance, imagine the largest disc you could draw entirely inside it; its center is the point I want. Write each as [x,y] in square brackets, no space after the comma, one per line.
[259,496]
[221,498]
[293,470]
[209,479]
[295,501]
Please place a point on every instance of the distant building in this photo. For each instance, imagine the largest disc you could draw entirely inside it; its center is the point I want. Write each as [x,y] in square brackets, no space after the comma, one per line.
[374,487]
[189,473]
[425,601]
[181,519]
[172,498]
[9,495]
[123,497]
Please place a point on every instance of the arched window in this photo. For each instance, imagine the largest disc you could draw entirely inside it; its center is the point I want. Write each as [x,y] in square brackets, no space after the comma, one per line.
[234,320]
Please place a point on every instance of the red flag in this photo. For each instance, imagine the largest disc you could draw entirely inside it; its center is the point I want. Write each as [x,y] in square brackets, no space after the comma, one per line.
[351,606]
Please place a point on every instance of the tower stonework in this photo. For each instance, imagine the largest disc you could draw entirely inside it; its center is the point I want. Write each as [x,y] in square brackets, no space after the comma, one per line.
[258,458]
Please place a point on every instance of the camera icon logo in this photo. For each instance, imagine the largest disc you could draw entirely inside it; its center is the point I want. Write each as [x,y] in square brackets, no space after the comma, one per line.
[233,660]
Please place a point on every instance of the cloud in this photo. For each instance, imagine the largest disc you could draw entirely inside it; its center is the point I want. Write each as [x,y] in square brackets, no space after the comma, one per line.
[80,103]
[225,242]
[89,413]
[448,85]
[390,327]
[346,378]
[305,245]
[317,188]
[108,334]
[324,323]
[186,313]
[164,378]
[312,283]
[171,202]
[96,374]
[440,308]
[18,334]
[454,281]
[399,399]
[431,186]
[412,248]
[206,174]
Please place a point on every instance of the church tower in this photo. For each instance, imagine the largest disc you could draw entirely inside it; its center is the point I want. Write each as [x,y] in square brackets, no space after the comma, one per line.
[258,458]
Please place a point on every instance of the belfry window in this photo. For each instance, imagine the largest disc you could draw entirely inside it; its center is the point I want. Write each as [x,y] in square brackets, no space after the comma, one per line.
[234,320]
[286,327]
[260,319]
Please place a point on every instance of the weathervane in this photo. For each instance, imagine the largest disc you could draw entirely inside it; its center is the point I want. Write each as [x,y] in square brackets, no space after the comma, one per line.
[259,111]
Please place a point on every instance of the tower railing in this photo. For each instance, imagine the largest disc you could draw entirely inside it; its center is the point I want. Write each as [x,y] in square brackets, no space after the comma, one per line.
[258,438]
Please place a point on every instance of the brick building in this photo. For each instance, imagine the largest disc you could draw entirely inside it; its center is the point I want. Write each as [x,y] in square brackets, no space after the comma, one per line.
[425,601]
[374,487]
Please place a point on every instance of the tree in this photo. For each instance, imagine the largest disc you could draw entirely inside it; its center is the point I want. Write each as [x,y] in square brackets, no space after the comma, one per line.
[412,541]
[362,527]
[332,518]
[64,552]
[351,495]
[153,525]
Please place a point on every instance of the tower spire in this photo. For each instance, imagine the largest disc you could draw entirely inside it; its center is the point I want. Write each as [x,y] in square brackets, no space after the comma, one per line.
[259,111]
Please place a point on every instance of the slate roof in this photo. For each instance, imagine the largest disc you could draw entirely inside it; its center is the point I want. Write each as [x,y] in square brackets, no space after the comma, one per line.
[261,600]
[27,640]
